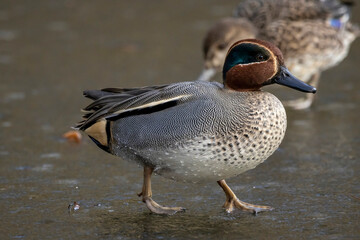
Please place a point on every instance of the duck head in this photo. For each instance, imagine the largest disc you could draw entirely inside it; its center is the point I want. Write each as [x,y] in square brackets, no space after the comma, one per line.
[219,39]
[251,64]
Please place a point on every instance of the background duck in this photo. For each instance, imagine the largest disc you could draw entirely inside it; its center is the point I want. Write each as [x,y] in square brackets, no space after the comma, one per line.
[198,131]
[313,35]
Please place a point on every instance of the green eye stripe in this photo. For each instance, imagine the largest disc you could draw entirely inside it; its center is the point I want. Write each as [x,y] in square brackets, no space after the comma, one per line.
[244,53]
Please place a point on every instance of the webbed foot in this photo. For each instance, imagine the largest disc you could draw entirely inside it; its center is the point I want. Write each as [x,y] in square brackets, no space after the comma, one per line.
[233,202]
[158,209]
[146,194]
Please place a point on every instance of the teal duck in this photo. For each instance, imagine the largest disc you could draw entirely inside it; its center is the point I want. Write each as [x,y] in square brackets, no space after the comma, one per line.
[197,131]
[313,35]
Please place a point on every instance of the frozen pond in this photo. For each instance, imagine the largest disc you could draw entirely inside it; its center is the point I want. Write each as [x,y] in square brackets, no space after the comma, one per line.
[52,50]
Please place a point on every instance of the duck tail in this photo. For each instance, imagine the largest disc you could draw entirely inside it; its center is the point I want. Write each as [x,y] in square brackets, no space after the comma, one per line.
[93,95]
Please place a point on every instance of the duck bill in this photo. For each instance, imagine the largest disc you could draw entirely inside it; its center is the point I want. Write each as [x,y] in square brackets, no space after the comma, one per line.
[287,79]
[207,74]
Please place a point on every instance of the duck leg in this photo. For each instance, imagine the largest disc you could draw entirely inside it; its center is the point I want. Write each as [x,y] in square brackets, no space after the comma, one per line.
[233,202]
[147,194]
[304,103]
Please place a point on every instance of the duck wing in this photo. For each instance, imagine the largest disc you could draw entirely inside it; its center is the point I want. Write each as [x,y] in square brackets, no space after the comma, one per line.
[114,103]
[321,45]
[263,12]
[127,92]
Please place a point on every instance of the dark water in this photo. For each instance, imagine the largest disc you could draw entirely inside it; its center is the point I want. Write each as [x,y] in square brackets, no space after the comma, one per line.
[51,50]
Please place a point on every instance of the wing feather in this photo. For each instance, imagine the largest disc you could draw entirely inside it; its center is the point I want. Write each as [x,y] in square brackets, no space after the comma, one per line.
[113,103]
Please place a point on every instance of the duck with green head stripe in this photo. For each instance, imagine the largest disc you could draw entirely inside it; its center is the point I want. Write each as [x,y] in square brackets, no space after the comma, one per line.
[198,131]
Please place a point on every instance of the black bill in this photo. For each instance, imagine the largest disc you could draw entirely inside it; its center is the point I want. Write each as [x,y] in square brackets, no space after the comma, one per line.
[287,79]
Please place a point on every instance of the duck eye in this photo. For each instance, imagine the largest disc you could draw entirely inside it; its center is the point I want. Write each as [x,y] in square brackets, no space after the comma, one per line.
[260,57]
[222,46]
